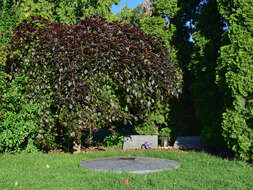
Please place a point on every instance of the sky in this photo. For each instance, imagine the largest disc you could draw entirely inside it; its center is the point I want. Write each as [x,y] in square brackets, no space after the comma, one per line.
[131,4]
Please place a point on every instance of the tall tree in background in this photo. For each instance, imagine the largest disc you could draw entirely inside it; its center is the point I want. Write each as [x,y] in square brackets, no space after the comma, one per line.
[157,22]
[220,66]
[184,119]
[208,101]
[130,15]
[153,16]
[64,11]
[235,76]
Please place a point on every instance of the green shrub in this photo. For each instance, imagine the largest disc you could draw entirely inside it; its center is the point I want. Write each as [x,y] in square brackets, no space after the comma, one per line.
[17,127]
[155,119]
[238,134]
[92,74]
[165,132]
[17,116]
[114,141]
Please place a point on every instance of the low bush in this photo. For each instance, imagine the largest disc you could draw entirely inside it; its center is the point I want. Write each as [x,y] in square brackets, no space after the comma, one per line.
[155,120]
[114,141]
[91,75]
[17,116]
[238,134]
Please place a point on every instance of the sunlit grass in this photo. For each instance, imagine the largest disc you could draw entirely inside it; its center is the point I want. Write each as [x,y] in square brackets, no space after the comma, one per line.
[61,171]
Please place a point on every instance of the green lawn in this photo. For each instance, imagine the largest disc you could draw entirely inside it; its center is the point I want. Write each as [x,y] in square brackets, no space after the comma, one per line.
[60,171]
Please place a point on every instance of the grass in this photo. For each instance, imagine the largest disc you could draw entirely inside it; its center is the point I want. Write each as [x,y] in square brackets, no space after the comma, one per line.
[61,172]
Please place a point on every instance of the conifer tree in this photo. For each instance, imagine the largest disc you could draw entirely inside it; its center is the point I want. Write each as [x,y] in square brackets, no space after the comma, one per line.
[235,76]
[207,98]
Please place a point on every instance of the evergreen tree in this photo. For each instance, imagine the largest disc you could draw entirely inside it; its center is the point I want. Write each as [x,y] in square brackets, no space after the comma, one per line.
[208,101]
[183,114]
[235,76]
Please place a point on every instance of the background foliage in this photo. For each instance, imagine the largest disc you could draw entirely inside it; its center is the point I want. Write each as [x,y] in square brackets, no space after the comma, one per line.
[207,42]
[213,46]
[63,11]
[7,21]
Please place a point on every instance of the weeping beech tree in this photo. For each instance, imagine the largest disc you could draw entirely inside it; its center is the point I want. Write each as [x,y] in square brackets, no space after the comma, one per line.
[92,74]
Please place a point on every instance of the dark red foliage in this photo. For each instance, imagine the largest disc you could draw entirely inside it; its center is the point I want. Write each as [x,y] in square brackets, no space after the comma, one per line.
[92,73]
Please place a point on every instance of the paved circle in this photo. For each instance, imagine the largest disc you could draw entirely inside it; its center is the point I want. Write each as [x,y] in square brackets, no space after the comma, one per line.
[129,164]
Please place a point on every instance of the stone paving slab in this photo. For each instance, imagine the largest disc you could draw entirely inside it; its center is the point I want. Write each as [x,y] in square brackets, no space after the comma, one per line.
[137,165]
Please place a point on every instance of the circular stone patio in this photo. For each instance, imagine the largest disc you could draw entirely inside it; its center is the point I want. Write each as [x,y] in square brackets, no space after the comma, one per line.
[129,164]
